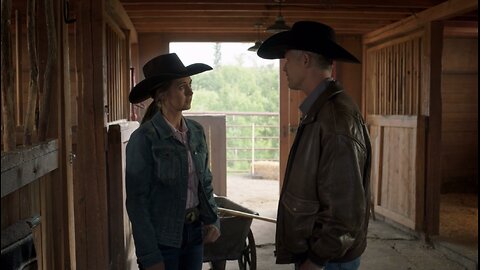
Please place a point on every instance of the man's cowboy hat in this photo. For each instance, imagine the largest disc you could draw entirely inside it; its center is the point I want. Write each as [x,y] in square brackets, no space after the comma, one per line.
[160,69]
[306,36]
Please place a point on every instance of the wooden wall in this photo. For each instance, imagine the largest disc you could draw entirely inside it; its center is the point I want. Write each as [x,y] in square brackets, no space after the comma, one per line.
[350,75]
[460,113]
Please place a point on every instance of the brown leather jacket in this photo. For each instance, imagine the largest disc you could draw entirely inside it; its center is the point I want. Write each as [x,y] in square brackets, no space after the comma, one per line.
[324,205]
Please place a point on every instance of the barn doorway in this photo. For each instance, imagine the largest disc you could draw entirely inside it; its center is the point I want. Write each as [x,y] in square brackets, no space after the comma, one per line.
[245,90]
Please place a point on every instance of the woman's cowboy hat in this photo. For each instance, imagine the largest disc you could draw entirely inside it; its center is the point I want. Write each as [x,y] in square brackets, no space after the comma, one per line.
[160,69]
[306,36]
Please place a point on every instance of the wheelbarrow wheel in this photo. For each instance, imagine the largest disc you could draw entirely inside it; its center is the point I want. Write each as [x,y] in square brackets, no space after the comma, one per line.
[248,258]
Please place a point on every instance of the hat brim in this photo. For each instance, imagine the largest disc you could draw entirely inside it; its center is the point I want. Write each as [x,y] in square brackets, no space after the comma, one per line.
[144,89]
[277,45]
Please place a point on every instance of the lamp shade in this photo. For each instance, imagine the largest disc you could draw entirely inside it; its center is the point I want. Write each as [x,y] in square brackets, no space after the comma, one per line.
[278,26]
[255,47]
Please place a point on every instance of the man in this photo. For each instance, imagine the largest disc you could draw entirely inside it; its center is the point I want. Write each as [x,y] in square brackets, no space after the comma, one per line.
[323,210]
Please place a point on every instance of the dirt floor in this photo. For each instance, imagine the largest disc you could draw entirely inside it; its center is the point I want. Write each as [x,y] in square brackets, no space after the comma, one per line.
[459,218]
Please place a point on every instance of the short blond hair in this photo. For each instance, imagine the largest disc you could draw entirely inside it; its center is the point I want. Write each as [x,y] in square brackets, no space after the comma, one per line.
[322,62]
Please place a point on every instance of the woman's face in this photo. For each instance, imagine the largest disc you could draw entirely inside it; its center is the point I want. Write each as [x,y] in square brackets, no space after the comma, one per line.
[179,96]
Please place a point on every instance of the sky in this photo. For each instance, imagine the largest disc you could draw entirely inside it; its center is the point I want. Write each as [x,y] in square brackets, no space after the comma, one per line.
[231,53]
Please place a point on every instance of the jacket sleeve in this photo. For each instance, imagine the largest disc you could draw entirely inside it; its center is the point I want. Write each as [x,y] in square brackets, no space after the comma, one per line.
[341,194]
[139,173]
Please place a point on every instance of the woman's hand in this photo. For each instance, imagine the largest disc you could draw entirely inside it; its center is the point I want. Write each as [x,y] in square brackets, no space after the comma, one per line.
[211,234]
[158,266]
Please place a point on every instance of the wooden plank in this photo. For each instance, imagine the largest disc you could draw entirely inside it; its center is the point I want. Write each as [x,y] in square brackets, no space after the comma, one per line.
[7,71]
[23,166]
[33,88]
[393,120]
[18,67]
[443,11]
[49,74]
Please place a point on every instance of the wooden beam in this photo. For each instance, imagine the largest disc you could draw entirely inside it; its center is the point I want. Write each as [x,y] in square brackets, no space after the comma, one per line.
[116,10]
[347,3]
[25,165]
[446,10]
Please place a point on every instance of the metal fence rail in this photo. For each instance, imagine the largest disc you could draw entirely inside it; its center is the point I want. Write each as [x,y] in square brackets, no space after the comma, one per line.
[251,137]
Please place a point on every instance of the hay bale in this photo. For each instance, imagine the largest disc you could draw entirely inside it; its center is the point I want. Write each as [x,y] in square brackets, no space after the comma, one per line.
[266,169]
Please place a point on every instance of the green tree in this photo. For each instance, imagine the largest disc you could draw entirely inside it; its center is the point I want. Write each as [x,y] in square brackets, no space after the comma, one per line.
[217,54]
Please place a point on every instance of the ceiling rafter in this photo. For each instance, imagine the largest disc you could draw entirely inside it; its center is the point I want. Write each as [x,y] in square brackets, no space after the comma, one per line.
[235,16]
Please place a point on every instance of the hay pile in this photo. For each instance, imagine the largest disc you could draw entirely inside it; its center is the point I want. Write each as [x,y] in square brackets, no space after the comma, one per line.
[459,218]
[266,170]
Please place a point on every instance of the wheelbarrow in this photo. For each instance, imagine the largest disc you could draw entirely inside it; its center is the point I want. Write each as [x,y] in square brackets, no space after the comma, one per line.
[236,241]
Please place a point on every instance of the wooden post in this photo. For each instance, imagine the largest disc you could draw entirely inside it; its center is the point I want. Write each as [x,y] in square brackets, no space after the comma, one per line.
[253,150]
[432,107]
[33,85]
[49,69]
[8,121]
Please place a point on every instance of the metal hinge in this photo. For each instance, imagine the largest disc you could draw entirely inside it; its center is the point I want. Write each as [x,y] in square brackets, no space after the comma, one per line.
[72,157]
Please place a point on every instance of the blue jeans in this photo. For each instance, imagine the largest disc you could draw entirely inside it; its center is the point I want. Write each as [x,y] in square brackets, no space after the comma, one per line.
[351,265]
[190,255]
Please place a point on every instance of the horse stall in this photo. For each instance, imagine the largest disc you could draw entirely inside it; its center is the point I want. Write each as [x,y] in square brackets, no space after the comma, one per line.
[459,158]
[421,105]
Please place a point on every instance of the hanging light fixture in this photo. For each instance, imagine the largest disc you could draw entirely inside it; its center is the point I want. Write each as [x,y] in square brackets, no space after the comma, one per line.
[279,24]
[258,42]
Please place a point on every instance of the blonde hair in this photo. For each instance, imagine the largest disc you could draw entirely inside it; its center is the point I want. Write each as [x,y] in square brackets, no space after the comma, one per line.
[156,104]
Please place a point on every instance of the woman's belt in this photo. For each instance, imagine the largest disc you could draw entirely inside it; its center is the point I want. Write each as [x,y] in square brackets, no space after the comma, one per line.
[192,215]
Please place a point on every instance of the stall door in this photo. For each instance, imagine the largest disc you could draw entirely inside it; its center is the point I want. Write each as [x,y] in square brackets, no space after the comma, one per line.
[398,104]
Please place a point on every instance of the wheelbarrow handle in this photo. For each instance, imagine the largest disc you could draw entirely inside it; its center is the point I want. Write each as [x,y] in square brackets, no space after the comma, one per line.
[246,215]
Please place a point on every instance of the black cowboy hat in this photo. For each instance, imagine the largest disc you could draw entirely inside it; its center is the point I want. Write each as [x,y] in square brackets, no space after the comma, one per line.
[160,69]
[306,36]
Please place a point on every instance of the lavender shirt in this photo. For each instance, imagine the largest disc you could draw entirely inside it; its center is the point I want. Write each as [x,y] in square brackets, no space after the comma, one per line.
[192,191]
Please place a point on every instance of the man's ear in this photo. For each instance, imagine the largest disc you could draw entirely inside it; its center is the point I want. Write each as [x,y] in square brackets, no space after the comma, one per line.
[307,59]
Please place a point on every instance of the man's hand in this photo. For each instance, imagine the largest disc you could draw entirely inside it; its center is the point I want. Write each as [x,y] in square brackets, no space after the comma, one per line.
[158,266]
[211,234]
[309,265]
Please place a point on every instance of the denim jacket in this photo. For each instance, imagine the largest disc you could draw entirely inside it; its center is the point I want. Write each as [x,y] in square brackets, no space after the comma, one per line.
[156,185]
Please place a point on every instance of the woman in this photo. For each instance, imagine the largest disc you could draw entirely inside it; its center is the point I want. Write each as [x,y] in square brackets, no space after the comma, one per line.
[168,182]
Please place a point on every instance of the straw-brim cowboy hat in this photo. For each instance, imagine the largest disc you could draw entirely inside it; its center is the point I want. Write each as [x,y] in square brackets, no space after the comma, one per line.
[306,36]
[161,69]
